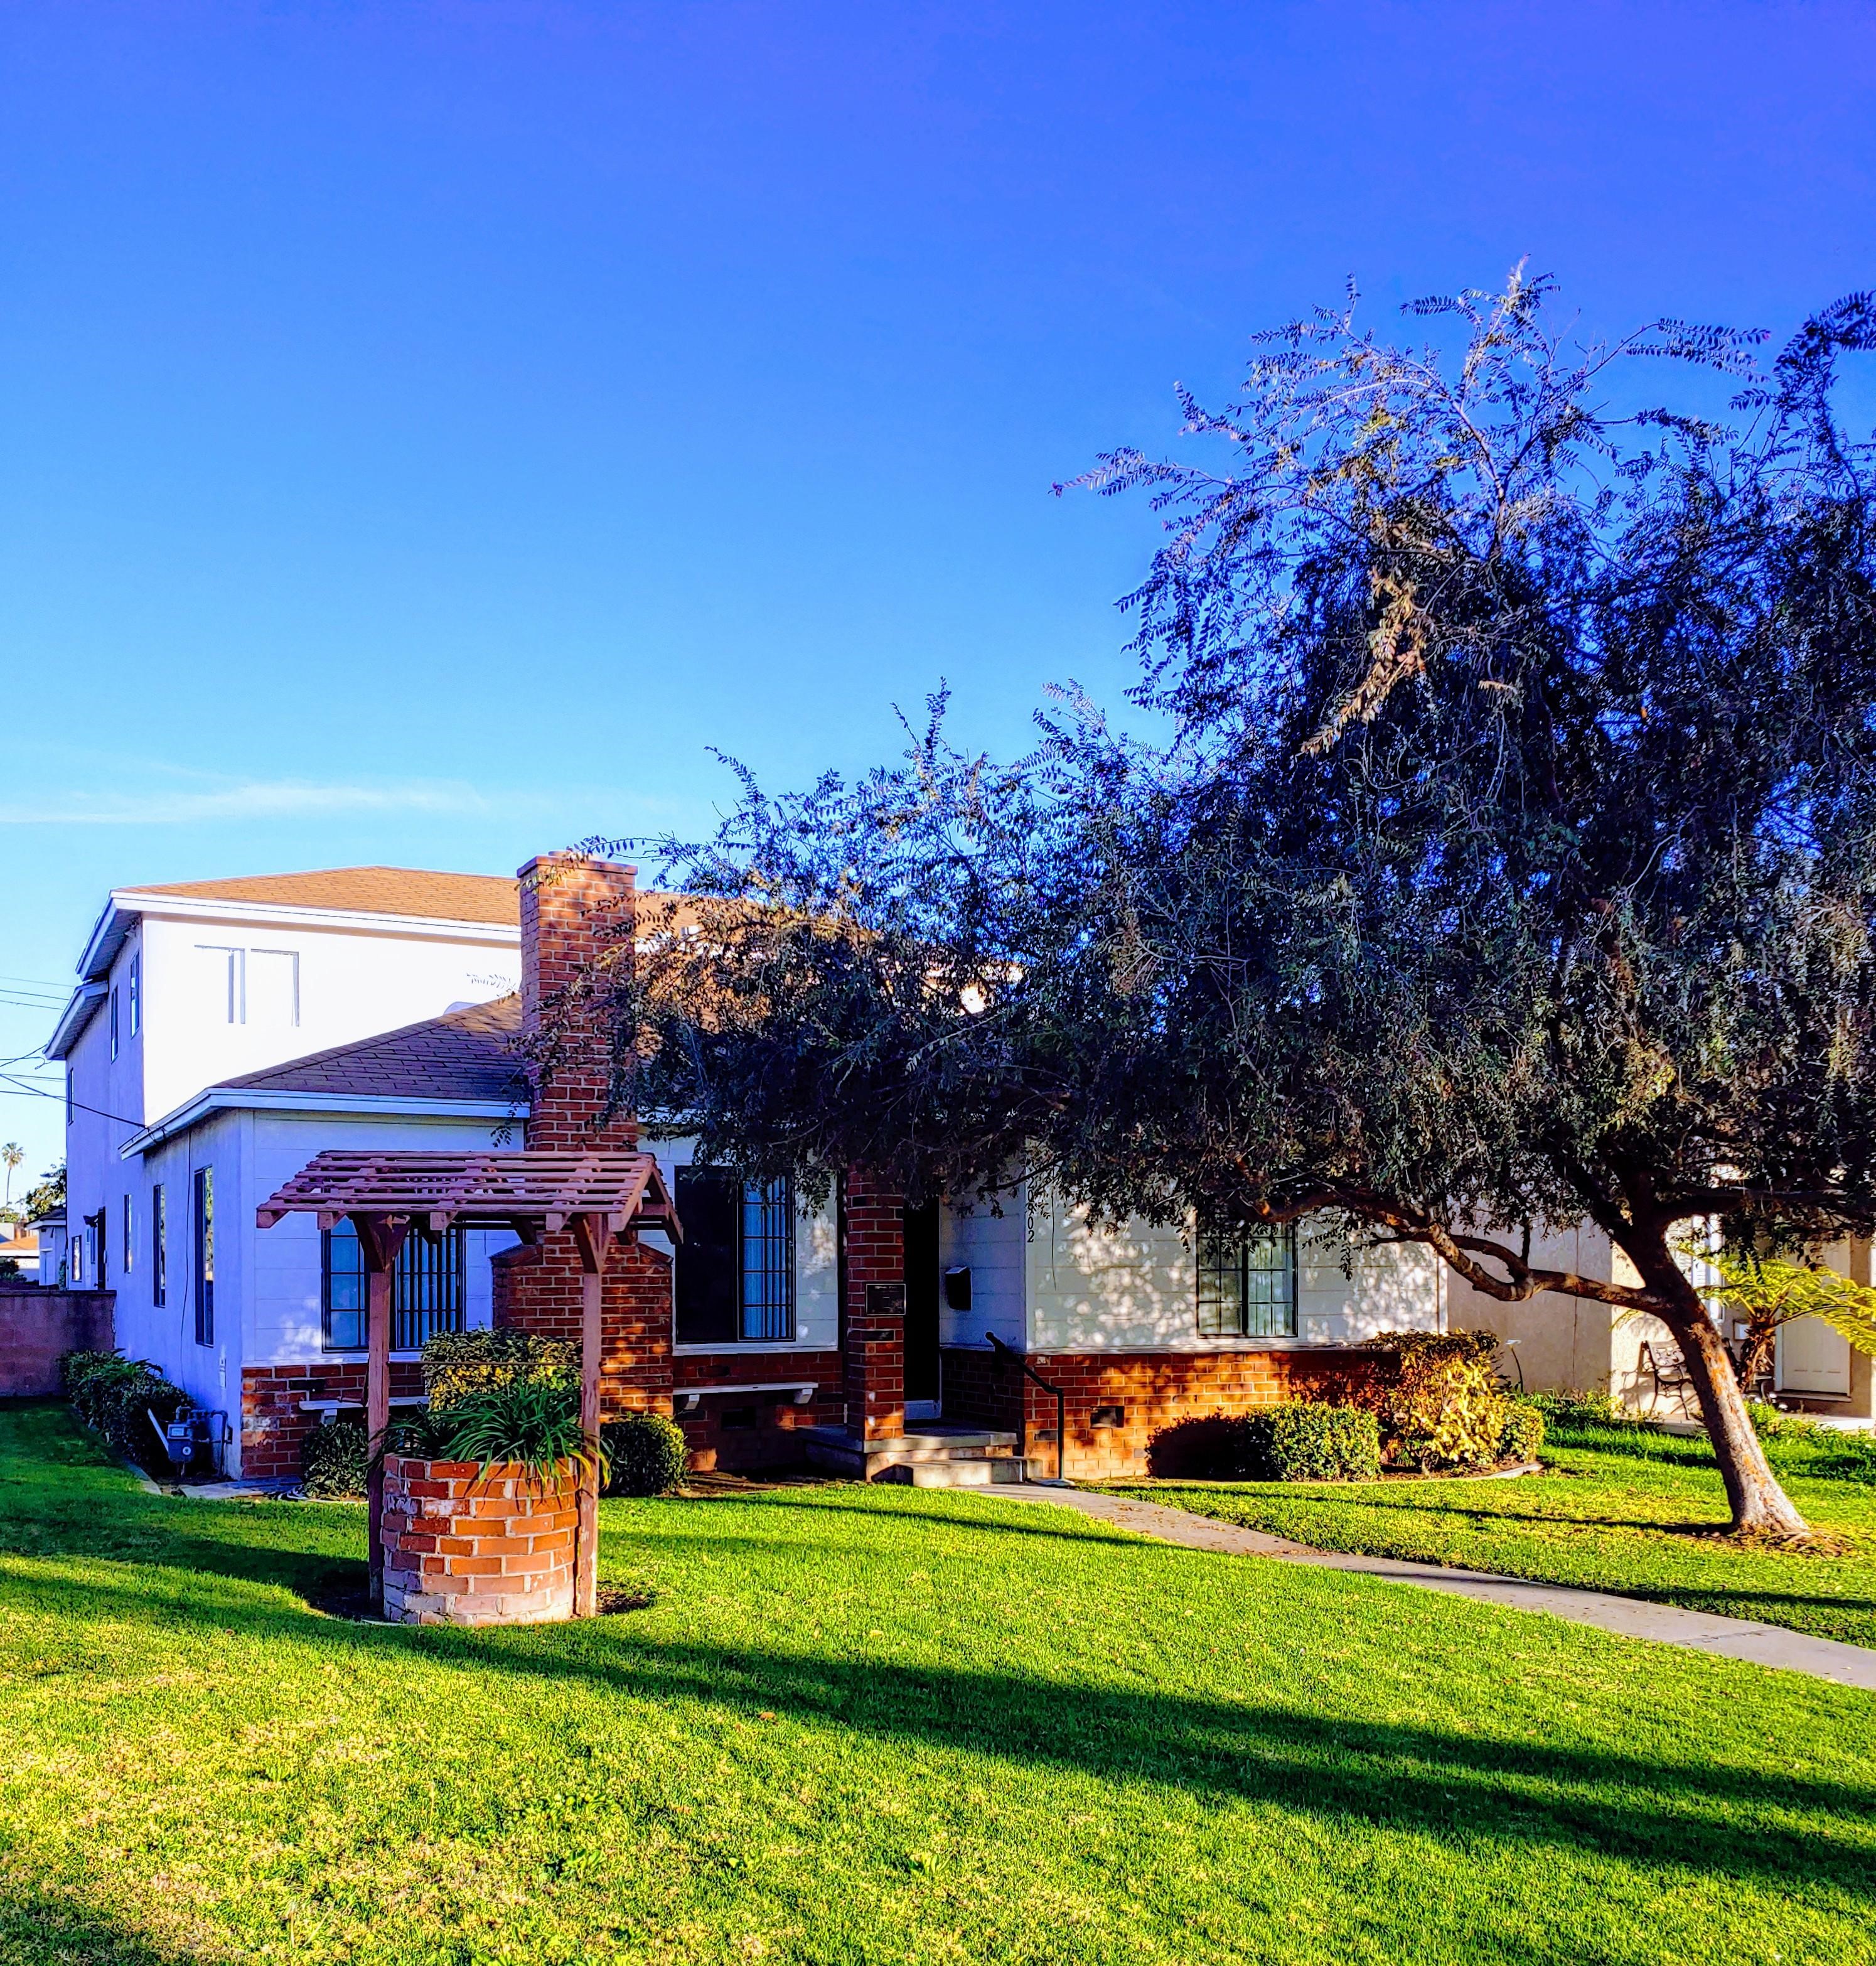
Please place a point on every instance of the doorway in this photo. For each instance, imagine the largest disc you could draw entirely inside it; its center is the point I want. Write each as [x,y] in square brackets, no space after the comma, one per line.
[922,1393]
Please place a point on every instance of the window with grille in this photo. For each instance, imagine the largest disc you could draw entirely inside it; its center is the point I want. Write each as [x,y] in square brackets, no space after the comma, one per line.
[736,1265]
[1247,1284]
[426,1289]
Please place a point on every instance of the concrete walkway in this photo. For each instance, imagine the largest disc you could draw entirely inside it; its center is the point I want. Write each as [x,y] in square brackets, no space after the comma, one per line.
[1631,1617]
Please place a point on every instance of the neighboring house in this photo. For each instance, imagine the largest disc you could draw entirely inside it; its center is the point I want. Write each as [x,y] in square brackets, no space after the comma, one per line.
[1577,1345]
[50,1230]
[20,1247]
[223,1032]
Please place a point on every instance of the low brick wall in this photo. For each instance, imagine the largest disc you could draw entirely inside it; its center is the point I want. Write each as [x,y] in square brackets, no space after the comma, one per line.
[274,1422]
[469,1546]
[771,1441]
[38,1327]
[1150,1389]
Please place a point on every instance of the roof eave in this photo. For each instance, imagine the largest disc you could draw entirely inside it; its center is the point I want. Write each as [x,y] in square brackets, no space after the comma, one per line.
[338,1105]
[74,1017]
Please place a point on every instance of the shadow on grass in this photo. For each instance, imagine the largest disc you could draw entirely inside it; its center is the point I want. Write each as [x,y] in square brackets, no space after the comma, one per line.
[42,1925]
[1749,1824]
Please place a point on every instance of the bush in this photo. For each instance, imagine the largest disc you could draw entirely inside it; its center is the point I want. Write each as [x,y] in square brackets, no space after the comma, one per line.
[1440,1405]
[117,1395]
[533,1422]
[1568,1410]
[1523,1436]
[333,1457]
[647,1452]
[1770,1423]
[458,1365]
[1299,1443]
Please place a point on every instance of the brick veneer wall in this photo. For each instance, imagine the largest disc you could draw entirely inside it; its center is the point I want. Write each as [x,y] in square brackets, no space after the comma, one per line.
[538,1290]
[469,1545]
[771,1442]
[1153,1389]
[271,1424]
[37,1327]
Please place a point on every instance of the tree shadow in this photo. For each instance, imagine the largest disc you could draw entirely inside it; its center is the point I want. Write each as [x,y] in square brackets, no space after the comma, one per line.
[49,1926]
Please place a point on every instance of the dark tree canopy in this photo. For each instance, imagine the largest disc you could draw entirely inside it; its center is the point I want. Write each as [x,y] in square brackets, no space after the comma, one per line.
[1503,852]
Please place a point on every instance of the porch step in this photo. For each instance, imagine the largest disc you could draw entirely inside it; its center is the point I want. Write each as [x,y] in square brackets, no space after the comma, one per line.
[928,1457]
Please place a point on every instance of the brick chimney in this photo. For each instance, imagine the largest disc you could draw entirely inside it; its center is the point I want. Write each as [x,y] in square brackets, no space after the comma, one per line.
[574,911]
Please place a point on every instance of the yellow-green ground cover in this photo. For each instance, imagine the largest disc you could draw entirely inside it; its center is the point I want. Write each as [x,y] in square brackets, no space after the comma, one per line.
[1628,1509]
[866,1726]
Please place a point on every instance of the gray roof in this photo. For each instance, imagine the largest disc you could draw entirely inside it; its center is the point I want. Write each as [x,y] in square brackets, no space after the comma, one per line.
[465,1054]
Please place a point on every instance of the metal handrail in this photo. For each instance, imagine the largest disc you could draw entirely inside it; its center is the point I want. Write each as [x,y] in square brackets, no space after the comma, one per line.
[1062,1426]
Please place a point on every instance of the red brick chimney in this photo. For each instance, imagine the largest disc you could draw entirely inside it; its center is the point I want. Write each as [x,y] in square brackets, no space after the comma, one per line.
[575,913]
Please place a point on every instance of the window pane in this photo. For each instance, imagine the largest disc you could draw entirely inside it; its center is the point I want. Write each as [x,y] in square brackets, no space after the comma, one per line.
[1220,1286]
[1270,1284]
[204,1240]
[767,1265]
[707,1257]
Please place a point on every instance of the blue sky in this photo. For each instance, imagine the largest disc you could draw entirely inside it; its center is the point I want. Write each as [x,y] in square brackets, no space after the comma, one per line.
[427,429]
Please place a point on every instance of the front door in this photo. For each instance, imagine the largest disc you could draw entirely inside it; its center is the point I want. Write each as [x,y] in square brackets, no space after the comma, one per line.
[921,1312]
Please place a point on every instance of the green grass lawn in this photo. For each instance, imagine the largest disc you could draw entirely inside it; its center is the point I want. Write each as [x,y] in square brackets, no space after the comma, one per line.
[1619,1508]
[863,1725]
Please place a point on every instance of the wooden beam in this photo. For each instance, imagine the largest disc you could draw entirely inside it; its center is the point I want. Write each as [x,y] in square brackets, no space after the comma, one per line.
[380,1238]
[593,1240]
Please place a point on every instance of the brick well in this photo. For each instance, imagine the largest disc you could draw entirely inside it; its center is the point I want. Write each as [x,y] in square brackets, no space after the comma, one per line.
[470,1545]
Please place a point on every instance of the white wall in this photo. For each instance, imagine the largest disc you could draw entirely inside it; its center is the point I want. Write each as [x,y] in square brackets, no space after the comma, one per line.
[817,1267]
[348,984]
[994,1249]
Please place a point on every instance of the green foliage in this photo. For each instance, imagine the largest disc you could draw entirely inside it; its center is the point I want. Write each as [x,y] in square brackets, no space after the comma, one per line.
[1522,1437]
[1771,1422]
[646,1454]
[457,1364]
[1439,1404]
[1299,1442]
[333,1459]
[1575,1409]
[118,1396]
[47,1195]
[532,1423]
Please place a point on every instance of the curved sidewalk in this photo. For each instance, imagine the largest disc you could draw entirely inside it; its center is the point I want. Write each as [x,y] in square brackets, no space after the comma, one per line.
[1631,1617]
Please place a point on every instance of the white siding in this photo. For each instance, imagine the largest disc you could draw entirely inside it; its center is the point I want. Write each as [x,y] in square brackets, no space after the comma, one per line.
[994,1249]
[1135,1290]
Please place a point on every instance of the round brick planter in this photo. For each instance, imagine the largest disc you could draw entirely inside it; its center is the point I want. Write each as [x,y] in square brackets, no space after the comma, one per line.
[469,1546]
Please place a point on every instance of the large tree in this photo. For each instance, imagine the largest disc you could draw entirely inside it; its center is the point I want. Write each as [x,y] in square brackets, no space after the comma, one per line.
[1494,845]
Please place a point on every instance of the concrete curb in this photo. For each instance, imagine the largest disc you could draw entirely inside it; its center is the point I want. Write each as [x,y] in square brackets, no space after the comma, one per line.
[1629,1617]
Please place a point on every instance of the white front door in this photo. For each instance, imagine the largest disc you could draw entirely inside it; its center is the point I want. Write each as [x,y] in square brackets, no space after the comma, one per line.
[1812,1358]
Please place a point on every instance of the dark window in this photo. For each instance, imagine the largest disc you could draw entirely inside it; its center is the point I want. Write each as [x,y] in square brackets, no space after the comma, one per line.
[736,1265]
[205,1239]
[136,1005]
[113,1021]
[130,1231]
[1247,1284]
[159,1249]
[1108,1416]
[426,1289]
[71,1092]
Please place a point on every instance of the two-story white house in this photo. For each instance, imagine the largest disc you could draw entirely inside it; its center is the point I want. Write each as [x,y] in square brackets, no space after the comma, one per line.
[222,1032]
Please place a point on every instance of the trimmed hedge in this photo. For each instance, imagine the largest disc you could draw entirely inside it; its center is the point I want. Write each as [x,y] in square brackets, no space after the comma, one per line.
[646,1454]
[1298,1442]
[333,1459]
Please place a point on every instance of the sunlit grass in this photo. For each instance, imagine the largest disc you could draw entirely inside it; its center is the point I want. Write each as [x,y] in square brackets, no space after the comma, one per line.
[863,1725]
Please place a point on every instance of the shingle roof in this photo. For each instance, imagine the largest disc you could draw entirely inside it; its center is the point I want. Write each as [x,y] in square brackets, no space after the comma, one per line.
[371,891]
[465,1054]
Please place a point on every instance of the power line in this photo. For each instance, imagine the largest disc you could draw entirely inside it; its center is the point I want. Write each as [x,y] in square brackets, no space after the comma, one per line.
[11,1088]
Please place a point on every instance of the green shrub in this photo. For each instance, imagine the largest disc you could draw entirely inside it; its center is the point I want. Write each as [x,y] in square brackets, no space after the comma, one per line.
[1770,1423]
[118,1396]
[459,1364]
[1439,1404]
[647,1452]
[1299,1442]
[533,1422]
[333,1457]
[1567,1411]
[1523,1436]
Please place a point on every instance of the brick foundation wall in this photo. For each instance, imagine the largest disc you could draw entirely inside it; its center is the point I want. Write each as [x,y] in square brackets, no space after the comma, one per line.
[38,1327]
[1153,1390]
[467,1545]
[271,1425]
[771,1442]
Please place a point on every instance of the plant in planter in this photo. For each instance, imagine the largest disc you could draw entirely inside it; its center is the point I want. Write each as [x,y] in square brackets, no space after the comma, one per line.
[459,1363]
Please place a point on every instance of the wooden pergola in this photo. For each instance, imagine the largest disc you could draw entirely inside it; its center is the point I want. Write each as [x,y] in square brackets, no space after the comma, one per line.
[602,1198]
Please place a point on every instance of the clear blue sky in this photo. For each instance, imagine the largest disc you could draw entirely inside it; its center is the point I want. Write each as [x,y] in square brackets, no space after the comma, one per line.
[427,428]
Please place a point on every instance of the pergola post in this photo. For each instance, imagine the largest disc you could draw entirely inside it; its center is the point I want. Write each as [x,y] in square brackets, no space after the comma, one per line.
[380,1238]
[593,1236]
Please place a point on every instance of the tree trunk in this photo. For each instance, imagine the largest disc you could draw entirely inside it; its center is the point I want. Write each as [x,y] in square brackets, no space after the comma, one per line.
[1760,1506]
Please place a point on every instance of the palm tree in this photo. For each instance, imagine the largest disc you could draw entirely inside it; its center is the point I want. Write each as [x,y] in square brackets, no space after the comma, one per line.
[11,1154]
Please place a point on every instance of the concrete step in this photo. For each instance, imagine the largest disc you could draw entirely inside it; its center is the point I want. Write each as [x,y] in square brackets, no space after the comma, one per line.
[931,1448]
[965,1472]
